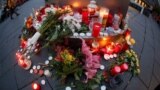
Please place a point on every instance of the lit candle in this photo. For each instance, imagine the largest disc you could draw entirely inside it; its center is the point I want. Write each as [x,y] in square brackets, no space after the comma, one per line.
[22,63]
[96,29]
[85,16]
[47,73]
[124,67]
[116,22]
[36,86]
[115,70]
[103,14]
[109,50]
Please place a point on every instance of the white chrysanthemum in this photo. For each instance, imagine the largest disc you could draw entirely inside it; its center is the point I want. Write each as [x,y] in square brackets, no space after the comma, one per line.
[72,22]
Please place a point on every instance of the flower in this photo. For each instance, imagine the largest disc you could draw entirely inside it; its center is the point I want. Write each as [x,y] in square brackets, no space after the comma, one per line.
[92,62]
[65,56]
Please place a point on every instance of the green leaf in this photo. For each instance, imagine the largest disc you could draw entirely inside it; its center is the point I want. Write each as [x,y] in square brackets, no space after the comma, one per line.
[76,76]
[94,86]
[54,36]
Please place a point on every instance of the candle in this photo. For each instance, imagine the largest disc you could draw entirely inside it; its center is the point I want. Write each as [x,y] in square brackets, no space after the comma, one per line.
[96,29]
[124,67]
[102,67]
[22,63]
[115,70]
[109,50]
[103,16]
[92,7]
[68,88]
[116,22]
[36,86]
[109,20]
[47,73]
[85,16]
[103,87]
[43,82]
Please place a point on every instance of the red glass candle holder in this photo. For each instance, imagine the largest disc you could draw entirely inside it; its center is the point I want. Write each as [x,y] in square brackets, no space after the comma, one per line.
[85,16]
[96,29]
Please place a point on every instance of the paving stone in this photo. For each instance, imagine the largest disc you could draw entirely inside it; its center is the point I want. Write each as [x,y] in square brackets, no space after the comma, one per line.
[136,84]
[9,62]
[153,84]
[141,20]
[149,38]
[157,71]
[146,64]
[7,81]
[23,77]
[157,51]
[125,77]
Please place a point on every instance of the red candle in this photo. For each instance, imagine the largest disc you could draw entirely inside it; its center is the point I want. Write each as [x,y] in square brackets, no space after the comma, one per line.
[36,86]
[109,50]
[117,48]
[22,63]
[124,67]
[109,20]
[115,70]
[85,16]
[23,43]
[96,29]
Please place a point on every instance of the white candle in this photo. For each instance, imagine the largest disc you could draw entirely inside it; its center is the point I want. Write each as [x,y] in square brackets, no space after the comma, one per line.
[46,62]
[103,11]
[82,34]
[102,67]
[68,88]
[106,56]
[103,87]
[38,67]
[43,82]
[88,34]
[34,67]
[50,58]
[47,73]
[31,71]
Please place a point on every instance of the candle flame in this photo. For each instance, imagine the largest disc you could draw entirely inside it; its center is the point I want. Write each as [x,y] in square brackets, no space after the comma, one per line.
[76,4]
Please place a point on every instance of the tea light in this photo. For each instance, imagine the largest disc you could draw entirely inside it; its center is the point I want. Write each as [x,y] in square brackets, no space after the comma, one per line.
[31,71]
[114,55]
[50,58]
[102,67]
[75,34]
[103,87]
[46,62]
[105,34]
[88,34]
[111,56]
[68,88]
[28,57]
[101,33]
[106,57]
[47,73]
[82,34]
[43,82]
[34,67]
[38,67]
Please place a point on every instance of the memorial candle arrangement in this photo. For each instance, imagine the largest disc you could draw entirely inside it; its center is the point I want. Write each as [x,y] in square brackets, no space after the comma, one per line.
[78,45]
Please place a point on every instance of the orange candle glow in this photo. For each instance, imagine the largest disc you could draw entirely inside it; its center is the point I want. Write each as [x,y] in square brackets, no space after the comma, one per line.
[103,14]
[103,42]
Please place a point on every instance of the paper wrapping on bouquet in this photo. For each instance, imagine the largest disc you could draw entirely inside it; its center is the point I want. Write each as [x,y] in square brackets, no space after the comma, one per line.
[33,40]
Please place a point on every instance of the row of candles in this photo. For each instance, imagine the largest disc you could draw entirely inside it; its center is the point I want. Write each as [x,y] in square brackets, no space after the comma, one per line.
[117,69]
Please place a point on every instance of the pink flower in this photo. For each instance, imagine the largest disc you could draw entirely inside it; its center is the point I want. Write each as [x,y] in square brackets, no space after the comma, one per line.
[92,62]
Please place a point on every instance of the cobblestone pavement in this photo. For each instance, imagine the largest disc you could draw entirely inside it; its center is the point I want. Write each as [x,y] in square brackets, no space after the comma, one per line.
[145,31]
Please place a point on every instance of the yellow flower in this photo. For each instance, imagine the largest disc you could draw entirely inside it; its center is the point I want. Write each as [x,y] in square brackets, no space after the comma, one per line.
[67,56]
